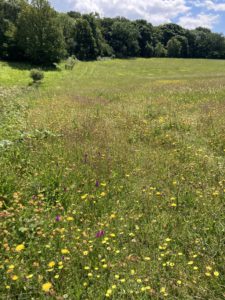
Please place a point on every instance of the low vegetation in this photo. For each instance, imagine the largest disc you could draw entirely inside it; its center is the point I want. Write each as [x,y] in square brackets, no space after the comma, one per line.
[112,181]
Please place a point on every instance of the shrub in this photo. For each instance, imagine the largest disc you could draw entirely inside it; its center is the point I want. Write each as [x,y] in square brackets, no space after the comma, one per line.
[36,75]
[70,63]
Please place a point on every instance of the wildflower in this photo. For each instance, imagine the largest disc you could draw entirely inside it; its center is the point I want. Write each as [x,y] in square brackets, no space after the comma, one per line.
[14,277]
[103,194]
[29,276]
[65,251]
[20,248]
[56,276]
[132,272]
[70,219]
[147,258]
[97,183]
[122,280]
[57,218]
[114,287]
[207,274]
[51,264]
[85,253]
[11,267]
[117,276]
[100,234]
[84,197]
[46,287]
[190,263]
[179,282]
[108,293]
[90,275]
[216,273]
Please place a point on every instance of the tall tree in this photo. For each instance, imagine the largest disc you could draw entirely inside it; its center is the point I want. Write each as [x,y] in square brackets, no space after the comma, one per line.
[124,39]
[174,47]
[39,34]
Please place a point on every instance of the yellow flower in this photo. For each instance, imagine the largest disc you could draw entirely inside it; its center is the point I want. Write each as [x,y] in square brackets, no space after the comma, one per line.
[56,276]
[70,219]
[14,277]
[84,196]
[29,276]
[190,263]
[103,194]
[11,267]
[51,264]
[147,258]
[216,273]
[46,287]
[20,248]
[85,253]
[65,251]
[113,286]
[207,274]
[179,282]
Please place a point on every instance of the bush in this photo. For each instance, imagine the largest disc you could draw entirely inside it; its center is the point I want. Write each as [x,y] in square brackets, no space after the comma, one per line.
[70,63]
[36,75]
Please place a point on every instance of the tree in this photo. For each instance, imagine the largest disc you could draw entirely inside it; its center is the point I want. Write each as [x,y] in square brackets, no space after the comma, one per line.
[39,34]
[160,51]
[124,39]
[145,37]
[85,44]
[148,51]
[9,11]
[174,47]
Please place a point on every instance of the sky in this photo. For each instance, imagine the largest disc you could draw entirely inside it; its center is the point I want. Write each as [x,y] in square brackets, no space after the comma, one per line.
[187,13]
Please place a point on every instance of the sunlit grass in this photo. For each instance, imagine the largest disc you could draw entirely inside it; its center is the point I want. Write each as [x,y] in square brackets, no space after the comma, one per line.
[112,183]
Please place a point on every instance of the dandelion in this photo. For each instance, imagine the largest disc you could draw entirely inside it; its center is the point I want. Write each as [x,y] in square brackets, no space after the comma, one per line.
[216,273]
[51,264]
[65,251]
[11,267]
[46,287]
[15,277]
[20,248]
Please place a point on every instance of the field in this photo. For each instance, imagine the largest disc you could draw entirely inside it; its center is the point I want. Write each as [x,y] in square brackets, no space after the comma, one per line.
[112,181]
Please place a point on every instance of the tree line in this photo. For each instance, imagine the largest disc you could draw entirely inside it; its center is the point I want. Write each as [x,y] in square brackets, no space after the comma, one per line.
[35,32]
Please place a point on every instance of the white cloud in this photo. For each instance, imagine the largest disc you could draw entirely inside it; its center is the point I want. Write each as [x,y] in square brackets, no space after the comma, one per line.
[201,20]
[210,5]
[155,11]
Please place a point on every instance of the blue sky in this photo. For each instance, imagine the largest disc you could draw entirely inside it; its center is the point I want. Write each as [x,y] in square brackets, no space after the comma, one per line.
[188,13]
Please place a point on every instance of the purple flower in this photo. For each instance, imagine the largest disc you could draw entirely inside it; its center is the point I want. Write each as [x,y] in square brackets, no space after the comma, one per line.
[100,233]
[97,183]
[57,218]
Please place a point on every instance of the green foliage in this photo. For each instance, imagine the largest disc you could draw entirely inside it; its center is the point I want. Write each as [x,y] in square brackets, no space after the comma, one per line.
[39,35]
[160,51]
[70,63]
[36,75]
[124,39]
[174,47]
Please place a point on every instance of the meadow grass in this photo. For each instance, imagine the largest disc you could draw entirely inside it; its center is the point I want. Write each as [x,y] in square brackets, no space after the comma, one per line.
[112,181]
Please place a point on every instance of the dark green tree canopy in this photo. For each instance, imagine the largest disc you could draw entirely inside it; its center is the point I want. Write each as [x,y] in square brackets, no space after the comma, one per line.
[33,31]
